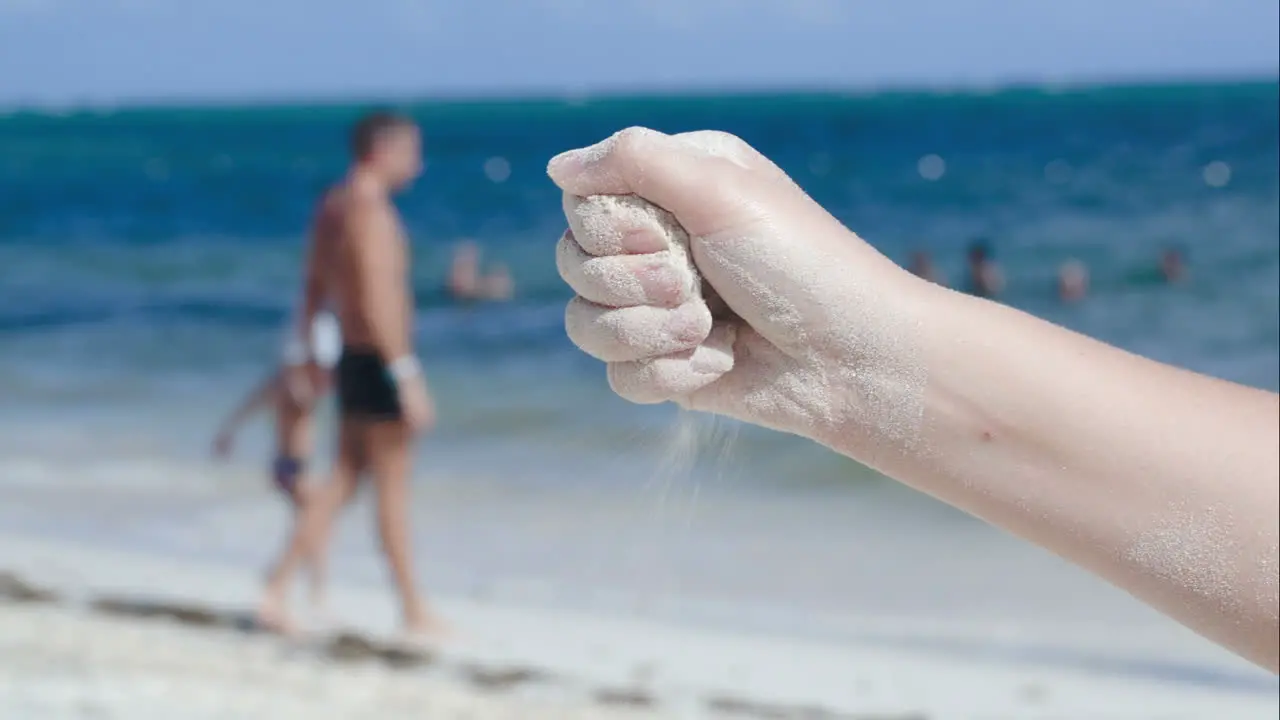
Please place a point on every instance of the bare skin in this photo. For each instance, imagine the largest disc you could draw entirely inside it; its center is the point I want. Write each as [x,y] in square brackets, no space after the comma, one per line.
[466,281]
[1162,481]
[1073,281]
[1173,268]
[359,265]
[923,267]
[985,277]
[293,439]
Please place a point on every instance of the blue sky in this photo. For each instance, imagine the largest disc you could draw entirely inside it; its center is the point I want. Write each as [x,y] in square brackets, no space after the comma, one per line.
[113,50]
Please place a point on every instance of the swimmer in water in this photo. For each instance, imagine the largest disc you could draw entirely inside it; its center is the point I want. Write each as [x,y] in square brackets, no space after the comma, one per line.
[293,417]
[1073,281]
[922,266]
[985,278]
[1173,266]
[467,283]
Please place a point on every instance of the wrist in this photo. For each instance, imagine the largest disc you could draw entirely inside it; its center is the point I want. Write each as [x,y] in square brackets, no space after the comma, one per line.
[880,383]
[404,368]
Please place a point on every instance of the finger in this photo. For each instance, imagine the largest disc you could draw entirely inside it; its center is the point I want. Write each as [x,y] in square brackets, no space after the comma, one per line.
[624,280]
[676,375]
[621,224]
[679,175]
[633,333]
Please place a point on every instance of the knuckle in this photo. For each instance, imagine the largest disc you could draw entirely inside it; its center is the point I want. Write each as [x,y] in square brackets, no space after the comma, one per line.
[629,146]
[584,325]
[693,324]
[624,280]
[657,380]
[666,284]
[725,146]
[643,238]
[636,382]
[609,282]
[604,281]
[728,139]
[570,258]
[634,333]
[627,141]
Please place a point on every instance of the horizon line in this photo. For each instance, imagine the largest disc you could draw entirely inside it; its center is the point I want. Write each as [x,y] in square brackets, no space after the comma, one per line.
[637,91]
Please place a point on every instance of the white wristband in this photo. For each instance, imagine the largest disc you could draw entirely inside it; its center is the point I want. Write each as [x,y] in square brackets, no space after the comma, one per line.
[404,367]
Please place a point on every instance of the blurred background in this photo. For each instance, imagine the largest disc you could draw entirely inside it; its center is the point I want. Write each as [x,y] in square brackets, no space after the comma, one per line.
[159,162]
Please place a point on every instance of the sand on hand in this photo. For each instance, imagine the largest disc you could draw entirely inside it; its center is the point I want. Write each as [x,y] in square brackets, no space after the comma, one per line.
[654,246]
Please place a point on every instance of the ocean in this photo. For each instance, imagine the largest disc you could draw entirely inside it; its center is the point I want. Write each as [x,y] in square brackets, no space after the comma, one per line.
[149,257]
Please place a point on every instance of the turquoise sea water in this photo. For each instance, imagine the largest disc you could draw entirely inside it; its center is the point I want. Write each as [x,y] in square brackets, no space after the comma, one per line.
[148,258]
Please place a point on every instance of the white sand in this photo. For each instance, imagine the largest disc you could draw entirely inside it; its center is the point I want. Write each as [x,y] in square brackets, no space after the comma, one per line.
[56,663]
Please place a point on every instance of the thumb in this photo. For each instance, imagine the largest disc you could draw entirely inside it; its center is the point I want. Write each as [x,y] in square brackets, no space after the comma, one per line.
[683,174]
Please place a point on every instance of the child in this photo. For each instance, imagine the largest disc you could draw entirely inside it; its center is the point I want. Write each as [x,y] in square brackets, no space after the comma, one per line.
[293,435]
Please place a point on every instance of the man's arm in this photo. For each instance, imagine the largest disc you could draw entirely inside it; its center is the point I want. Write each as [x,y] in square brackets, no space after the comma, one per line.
[315,292]
[1163,481]
[298,343]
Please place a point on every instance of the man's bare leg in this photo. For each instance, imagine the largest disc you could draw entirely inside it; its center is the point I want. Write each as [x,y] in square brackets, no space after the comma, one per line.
[313,526]
[390,452]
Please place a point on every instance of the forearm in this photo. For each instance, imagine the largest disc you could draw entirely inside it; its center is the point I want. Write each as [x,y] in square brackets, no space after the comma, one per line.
[298,343]
[313,299]
[1162,481]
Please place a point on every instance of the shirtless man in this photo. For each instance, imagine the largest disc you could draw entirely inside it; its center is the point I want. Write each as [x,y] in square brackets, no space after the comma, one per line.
[359,265]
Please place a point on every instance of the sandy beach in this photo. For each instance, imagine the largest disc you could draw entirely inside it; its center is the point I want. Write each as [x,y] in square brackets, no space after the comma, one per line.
[61,664]
[95,633]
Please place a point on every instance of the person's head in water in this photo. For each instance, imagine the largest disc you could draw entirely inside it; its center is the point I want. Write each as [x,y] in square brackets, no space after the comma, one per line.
[1073,281]
[985,278]
[1173,265]
[979,252]
[388,145]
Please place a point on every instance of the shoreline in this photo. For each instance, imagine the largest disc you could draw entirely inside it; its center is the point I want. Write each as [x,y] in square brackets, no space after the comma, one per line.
[516,659]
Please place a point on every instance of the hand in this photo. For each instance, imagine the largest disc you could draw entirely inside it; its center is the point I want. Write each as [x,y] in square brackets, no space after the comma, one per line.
[815,335]
[415,403]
